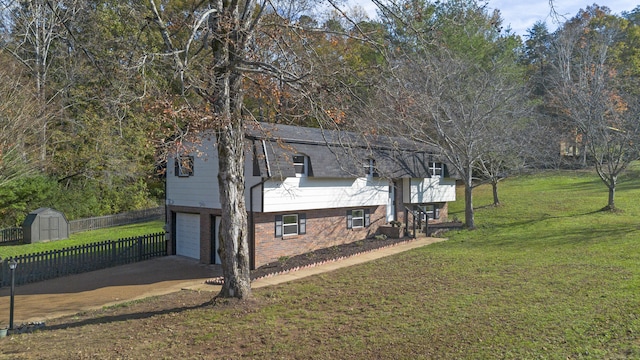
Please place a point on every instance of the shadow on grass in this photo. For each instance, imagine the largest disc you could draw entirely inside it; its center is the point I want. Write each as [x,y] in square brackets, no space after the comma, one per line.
[11,243]
[630,181]
[102,319]
[553,230]
[544,217]
[557,238]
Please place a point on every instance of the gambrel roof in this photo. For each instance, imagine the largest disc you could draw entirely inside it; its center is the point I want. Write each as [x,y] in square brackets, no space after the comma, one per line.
[336,154]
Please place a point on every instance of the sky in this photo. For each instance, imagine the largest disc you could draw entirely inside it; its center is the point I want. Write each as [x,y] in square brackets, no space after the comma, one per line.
[520,15]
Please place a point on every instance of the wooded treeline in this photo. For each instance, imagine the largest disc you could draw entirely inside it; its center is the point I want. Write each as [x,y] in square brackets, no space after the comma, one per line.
[95,93]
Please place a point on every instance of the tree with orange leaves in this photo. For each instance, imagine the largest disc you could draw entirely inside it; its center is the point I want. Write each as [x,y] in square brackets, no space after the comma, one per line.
[219,49]
[592,87]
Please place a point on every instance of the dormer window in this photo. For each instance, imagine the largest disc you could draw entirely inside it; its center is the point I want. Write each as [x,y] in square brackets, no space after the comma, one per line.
[370,168]
[301,165]
[435,169]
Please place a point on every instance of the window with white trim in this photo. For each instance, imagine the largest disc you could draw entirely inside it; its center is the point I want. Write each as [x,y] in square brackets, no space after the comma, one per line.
[435,168]
[301,165]
[432,211]
[358,218]
[370,168]
[290,224]
[184,166]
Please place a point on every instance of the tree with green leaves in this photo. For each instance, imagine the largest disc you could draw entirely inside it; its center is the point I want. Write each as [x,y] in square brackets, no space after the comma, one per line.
[80,60]
[18,105]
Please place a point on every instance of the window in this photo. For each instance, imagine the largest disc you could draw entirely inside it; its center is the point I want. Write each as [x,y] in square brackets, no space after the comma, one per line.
[358,218]
[291,224]
[370,168]
[300,164]
[184,166]
[430,210]
[435,168]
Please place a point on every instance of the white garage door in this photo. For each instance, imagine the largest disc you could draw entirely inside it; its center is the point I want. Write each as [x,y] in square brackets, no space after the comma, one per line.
[188,235]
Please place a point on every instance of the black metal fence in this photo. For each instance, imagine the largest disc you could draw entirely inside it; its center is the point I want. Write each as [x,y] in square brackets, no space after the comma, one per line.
[83,258]
[11,234]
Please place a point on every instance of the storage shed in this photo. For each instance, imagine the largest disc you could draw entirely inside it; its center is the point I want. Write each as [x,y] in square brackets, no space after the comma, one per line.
[45,224]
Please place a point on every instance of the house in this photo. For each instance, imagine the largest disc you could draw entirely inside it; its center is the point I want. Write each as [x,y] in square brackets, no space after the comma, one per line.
[306,189]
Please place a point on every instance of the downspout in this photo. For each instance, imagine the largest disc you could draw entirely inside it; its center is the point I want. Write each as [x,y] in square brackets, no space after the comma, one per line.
[252,231]
[168,240]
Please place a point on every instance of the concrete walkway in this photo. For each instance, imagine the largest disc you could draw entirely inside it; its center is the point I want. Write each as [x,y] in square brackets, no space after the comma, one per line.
[77,293]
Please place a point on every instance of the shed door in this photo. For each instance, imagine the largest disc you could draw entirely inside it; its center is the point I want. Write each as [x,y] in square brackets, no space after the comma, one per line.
[188,235]
[49,227]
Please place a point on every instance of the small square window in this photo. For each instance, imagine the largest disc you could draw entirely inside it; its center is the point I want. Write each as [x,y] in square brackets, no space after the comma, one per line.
[184,166]
[290,224]
[359,218]
[435,168]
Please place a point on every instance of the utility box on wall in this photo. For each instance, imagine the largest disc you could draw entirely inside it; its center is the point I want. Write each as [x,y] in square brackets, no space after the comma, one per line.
[45,224]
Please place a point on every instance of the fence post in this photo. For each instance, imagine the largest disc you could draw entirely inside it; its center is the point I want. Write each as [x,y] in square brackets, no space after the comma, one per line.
[139,248]
[113,252]
[2,266]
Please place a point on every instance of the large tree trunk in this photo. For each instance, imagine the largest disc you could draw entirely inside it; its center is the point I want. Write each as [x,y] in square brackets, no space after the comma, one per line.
[231,25]
[227,107]
[234,243]
[234,249]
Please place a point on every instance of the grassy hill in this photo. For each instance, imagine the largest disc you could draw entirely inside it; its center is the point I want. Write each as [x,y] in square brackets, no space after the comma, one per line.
[546,276]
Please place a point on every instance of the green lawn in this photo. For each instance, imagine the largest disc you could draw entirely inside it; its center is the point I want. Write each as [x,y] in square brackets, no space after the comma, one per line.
[86,237]
[545,276]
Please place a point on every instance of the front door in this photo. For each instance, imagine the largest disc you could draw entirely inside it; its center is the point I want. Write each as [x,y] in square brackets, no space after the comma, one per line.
[391,204]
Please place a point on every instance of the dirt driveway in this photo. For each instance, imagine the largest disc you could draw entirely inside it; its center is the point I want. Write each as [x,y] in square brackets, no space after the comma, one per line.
[72,294]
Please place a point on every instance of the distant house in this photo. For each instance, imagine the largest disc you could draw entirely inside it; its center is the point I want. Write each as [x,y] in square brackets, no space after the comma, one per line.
[306,189]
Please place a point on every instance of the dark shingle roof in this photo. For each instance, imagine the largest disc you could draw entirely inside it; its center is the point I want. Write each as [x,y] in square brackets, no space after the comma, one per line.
[335,154]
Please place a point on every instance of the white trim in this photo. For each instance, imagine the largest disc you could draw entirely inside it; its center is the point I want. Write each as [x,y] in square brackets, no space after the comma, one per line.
[354,218]
[305,165]
[290,225]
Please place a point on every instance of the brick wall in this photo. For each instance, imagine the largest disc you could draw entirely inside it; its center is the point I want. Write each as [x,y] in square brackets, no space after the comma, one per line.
[325,228]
